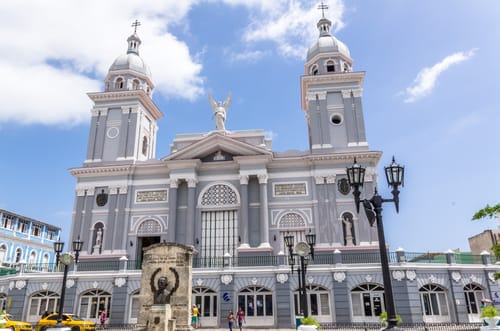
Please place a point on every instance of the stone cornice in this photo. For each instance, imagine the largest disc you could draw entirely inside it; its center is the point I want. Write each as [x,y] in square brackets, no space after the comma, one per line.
[306,81]
[334,158]
[127,95]
[99,171]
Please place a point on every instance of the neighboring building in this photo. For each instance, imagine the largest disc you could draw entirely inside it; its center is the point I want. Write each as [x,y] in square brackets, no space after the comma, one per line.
[26,240]
[484,241]
[233,198]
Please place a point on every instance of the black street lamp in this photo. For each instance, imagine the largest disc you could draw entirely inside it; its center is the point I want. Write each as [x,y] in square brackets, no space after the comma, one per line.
[373,209]
[302,250]
[66,259]
[58,248]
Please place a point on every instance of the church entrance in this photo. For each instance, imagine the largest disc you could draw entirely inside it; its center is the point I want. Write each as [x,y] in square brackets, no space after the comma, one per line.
[143,242]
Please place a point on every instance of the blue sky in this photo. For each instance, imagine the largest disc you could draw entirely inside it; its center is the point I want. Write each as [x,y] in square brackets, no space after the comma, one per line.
[430,93]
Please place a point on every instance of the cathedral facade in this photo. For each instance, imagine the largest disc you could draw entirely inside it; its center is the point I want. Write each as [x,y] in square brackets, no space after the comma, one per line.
[231,197]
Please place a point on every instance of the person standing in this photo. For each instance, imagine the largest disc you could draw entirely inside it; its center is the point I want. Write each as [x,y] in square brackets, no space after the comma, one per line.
[194,317]
[230,320]
[240,315]
[103,318]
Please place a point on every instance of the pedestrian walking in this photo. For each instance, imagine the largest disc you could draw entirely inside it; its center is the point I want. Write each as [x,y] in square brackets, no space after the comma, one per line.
[240,315]
[103,318]
[230,320]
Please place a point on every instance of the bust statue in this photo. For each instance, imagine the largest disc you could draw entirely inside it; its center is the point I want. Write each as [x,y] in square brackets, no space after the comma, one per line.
[162,293]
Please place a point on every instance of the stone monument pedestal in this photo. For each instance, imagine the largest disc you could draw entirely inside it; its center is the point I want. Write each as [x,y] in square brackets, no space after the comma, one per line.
[159,318]
[165,301]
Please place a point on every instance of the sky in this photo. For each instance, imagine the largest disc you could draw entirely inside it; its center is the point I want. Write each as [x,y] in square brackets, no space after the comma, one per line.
[429,96]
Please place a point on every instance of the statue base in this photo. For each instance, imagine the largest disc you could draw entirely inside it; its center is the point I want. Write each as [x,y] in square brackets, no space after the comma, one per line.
[158,318]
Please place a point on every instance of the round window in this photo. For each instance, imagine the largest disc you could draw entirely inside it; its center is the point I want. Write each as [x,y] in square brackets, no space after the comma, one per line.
[112,132]
[336,119]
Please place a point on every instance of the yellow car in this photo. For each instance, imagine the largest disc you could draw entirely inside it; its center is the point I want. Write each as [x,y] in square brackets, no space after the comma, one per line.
[71,321]
[10,323]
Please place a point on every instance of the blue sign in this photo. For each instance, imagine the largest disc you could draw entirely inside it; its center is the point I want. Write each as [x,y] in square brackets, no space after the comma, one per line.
[226,297]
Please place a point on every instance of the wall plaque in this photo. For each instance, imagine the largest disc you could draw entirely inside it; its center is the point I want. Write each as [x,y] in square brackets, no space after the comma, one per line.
[151,196]
[289,189]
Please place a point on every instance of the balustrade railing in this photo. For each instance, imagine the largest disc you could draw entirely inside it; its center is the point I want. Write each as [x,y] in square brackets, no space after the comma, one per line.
[346,258]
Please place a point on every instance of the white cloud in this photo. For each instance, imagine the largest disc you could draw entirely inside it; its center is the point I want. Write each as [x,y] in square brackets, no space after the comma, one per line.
[426,79]
[53,52]
[288,24]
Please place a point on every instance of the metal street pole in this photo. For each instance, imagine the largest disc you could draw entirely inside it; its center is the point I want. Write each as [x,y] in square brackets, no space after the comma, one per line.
[373,209]
[61,300]
[302,285]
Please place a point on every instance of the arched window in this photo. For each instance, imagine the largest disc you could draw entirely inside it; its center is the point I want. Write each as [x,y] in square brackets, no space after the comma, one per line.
[45,262]
[314,70]
[32,257]
[3,301]
[318,303]
[367,302]
[257,302]
[3,252]
[119,83]
[41,302]
[19,255]
[330,66]
[149,226]
[348,229]
[291,224]
[473,296]
[145,146]
[92,303]
[434,304]
[136,84]
[206,301]
[219,222]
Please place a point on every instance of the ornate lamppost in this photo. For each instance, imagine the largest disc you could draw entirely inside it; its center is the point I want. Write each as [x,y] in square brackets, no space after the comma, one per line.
[66,259]
[58,248]
[303,250]
[373,208]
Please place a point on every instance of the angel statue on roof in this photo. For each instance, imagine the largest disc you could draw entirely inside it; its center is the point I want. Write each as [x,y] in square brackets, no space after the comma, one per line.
[220,108]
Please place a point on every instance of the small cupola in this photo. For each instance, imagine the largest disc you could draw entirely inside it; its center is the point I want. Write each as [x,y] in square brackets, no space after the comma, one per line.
[133,44]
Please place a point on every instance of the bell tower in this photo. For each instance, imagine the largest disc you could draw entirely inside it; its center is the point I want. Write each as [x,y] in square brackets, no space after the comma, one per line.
[124,117]
[331,96]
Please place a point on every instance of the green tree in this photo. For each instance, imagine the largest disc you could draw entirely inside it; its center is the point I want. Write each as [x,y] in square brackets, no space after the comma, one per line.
[490,212]
[486,212]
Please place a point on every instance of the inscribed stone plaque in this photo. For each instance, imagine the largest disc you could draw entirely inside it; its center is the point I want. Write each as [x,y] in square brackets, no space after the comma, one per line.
[151,196]
[290,189]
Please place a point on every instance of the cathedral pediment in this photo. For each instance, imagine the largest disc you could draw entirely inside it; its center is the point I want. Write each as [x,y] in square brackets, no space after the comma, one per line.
[219,146]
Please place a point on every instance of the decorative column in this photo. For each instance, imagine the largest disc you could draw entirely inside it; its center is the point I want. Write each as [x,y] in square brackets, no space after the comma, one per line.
[172,210]
[244,211]
[191,207]
[264,220]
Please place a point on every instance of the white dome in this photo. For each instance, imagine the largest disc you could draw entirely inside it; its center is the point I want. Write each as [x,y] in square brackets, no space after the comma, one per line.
[131,61]
[328,44]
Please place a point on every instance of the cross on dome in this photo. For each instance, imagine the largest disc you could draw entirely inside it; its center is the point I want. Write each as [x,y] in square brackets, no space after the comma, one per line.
[135,25]
[322,6]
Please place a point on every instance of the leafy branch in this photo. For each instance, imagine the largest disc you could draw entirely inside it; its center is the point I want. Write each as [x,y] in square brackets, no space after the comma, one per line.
[486,212]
